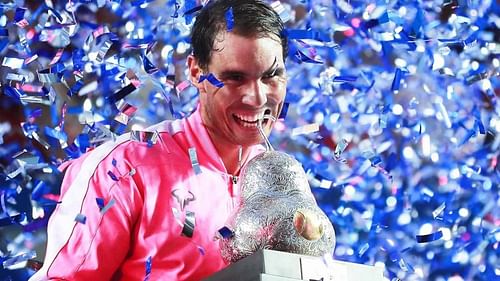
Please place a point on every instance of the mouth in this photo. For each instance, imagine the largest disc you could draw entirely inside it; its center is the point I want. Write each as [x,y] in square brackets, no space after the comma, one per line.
[251,121]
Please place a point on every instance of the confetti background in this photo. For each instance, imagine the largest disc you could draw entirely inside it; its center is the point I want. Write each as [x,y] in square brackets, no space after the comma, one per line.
[392,108]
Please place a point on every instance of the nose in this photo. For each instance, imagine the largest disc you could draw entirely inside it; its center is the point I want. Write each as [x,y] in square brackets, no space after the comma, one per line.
[256,94]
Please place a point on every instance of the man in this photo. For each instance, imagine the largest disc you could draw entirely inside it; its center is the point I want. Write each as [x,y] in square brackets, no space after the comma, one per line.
[133,210]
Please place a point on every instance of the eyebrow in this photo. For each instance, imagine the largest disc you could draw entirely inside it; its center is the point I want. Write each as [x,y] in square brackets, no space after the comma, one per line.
[228,73]
[271,69]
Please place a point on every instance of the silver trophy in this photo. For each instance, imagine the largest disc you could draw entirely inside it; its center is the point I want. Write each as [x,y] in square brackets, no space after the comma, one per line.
[277,211]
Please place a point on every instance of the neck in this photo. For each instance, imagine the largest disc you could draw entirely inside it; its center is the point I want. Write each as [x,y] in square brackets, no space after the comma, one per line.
[230,154]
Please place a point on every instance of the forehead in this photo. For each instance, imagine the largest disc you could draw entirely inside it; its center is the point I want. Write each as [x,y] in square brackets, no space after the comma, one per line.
[250,53]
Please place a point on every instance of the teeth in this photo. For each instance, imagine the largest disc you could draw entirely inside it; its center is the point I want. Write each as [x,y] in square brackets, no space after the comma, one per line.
[250,118]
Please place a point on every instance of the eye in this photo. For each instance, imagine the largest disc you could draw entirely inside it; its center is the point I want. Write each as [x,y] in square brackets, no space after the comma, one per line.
[270,75]
[275,72]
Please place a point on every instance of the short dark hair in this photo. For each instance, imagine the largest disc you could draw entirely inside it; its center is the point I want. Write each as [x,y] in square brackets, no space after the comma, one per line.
[251,18]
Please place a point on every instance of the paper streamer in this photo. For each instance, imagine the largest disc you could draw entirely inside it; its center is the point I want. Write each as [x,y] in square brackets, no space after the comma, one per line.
[414,83]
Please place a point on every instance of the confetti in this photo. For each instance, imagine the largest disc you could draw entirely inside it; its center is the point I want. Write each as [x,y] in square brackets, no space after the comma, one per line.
[398,75]
[306,129]
[81,218]
[126,111]
[182,86]
[190,10]
[303,52]
[149,67]
[429,237]
[437,212]
[283,12]
[113,176]
[16,77]
[413,82]
[100,203]
[148,137]
[4,32]
[189,224]
[15,219]
[229,19]
[18,259]
[339,149]
[201,250]
[225,232]
[125,91]
[284,110]
[19,17]
[212,79]
[13,63]
[194,160]
[307,34]
[149,264]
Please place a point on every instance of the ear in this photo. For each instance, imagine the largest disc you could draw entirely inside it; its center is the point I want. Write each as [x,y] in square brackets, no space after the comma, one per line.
[194,71]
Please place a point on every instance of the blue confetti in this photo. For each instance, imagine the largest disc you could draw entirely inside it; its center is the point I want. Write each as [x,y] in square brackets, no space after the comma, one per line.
[100,203]
[212,79]
[19,14]
[201,250]
[140,2]
[4,32]
[56,133]
[307,34]
[149,264]
[75,88]
[13,92]
[229,19]
[112,176]
[225,232]
[81,218]
[18,259]
[396,82]
[83,142]
[300,56]
[176,12]
[15,219]
[284,110]
[413,82]
[125,91]
[149,67]
[345,78]
[190,9]
[429,237]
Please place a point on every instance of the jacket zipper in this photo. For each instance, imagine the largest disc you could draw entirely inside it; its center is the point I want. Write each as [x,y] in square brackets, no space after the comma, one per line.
[234,179]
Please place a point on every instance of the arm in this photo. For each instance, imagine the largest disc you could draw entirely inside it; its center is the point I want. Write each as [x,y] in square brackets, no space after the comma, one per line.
[94,247]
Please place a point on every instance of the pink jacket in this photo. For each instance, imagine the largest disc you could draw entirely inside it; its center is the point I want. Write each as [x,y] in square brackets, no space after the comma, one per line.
[147,195]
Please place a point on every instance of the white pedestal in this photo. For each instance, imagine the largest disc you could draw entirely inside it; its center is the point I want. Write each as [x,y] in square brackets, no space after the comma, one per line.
[269,265]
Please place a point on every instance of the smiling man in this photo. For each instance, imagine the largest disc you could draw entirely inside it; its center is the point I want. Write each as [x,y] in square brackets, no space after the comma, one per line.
[249,60]
[138,210]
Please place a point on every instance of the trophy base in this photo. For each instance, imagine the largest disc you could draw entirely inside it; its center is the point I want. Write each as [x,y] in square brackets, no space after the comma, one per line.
[270,265]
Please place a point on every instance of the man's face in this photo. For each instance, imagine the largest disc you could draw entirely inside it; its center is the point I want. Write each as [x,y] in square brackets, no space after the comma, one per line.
[254,78]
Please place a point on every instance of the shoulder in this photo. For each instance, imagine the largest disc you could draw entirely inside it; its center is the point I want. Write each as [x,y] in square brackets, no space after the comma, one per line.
[152,146]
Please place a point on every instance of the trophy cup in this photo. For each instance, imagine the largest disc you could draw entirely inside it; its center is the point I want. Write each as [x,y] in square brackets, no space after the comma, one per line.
[278,232]
[277,211]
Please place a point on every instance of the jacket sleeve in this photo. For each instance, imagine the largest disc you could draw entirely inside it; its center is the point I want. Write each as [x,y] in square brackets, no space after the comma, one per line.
[89,231]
